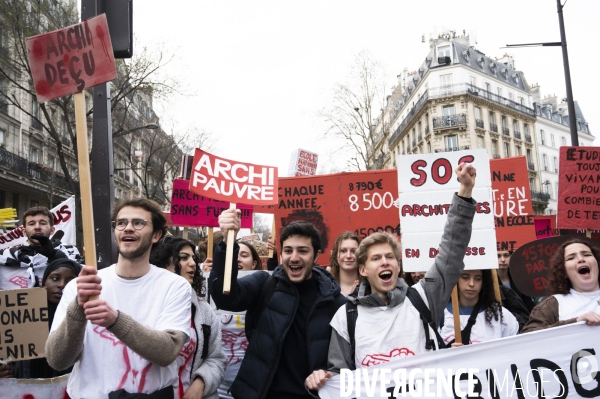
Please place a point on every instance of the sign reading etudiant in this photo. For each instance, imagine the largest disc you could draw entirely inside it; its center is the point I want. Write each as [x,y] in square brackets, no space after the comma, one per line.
[192,210]
[23,323]
[426,183]
[303,163]
[513,212]
[232,181]
[361,202]
[68,60]
[579,188]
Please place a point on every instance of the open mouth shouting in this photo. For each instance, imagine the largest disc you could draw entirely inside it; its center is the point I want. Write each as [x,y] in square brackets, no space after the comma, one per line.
[386,276]
[584,271]
[296,270]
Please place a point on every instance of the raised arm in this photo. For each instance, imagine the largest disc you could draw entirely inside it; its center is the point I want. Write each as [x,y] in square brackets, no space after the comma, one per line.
[449,263]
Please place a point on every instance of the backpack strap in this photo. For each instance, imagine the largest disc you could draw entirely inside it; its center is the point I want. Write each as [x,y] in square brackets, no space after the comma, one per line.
[267,290]
[466,332]
[415,298]
[351,316]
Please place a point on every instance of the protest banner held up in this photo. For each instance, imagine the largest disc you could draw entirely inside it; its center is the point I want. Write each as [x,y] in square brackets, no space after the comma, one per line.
[513,212]
[361,202]
[232,181]
[579,188]
[426,183]
[71,59]
[23,323]
[189,209]
[303,163]
[530,265]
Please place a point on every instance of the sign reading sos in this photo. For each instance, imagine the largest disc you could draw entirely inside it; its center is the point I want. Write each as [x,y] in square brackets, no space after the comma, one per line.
[441,170]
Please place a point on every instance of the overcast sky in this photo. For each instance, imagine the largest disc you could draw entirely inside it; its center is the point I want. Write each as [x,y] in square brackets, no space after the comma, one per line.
[260,71]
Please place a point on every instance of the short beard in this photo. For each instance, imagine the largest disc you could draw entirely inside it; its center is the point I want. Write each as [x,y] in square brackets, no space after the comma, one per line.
[138,253]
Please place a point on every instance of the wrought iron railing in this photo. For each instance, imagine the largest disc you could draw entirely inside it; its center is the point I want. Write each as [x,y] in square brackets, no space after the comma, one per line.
[494,127]
[527,138]
[495,156]
[517,134]
[540,196]
[23,167]
[530,166]
[446,121]
[449,149]
[505,131]
[479,123]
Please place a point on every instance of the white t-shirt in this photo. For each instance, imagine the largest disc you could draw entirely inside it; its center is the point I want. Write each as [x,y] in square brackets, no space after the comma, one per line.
[160,300]
[184,361]
[575,304]
[481,330]
[235,344]
[384,333]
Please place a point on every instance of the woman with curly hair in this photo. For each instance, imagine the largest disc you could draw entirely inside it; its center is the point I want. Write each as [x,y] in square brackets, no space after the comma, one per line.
[201,362]
[575,285]
[482,318]
[342,262]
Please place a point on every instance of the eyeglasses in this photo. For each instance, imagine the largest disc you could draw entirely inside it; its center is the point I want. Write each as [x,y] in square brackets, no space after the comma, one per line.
[121,224]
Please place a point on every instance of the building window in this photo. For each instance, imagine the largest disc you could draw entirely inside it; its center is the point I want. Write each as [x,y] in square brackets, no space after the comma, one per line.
[515,125]
[499,91]
[1,136]
[34,155]
[521,101]
[563,141]
[528,156]
[545,161]
[552,140]
[547,187]
[452,143]
[446,84]
[531,184]
[480,142]
[473,81]
[444,51]
[506,150]
[526,129]
[543,137]
[495,148]
[429,147]
[488,87]
[492,119]
[448,110]
[517,150]
[477,113]
[511,96]
[555,164]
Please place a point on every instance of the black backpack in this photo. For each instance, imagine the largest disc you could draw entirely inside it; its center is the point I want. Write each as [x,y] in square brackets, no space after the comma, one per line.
[417,301]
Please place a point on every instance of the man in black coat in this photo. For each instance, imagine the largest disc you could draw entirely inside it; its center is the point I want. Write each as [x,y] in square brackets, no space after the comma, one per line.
[288,314]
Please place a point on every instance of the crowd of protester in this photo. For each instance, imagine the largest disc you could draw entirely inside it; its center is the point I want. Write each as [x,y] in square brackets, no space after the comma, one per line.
[158,324]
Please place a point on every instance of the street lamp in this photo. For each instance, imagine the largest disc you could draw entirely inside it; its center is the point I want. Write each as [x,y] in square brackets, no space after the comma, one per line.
[151,126]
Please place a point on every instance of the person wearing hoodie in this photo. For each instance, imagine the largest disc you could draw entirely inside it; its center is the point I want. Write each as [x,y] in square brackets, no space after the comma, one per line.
[288,314]
[388,325]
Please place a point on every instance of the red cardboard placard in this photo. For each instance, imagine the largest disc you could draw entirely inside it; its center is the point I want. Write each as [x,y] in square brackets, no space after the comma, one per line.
[362,202]
[579,188]
[232,181]
[68,60]
[513,212]
[192,210]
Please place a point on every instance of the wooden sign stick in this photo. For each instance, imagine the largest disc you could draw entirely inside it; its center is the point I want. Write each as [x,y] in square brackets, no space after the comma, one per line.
[229,257]
[588,233]
[85,182]
[185,233]
[273,231]
[209,243]
[456,314]
[496,286]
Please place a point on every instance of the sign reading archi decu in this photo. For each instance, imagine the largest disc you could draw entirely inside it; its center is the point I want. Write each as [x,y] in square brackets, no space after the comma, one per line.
[23,323]
[68,60]
[227,180]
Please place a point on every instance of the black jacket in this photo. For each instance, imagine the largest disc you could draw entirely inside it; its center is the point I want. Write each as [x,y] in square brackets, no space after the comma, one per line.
[264,349]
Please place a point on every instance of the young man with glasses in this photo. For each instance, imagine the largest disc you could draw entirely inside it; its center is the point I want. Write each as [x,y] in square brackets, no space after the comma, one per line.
[129,338]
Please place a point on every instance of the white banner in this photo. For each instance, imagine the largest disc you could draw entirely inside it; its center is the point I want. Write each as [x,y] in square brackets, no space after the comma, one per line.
[557,362]
[426,183]
[36,388]
[64,219]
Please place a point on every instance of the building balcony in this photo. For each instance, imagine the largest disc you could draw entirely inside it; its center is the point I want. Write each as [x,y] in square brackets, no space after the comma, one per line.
[505,131]
[450,121]
[540,196]
[495,156]
[36,124]
[517,134]
[494,127]
[479,123]
[527,138]
[530,166]
[450,149]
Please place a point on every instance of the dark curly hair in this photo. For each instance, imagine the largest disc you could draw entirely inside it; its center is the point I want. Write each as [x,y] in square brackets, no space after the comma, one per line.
[168,251]
[558,282]
[333,263]
[487,297]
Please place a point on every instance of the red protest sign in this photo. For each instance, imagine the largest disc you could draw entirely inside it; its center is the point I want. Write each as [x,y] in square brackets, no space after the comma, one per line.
[513,212]
[362,202]
[545,226]
[232,181]
[68,60]
[530,265]
[192,210]
[579,188]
